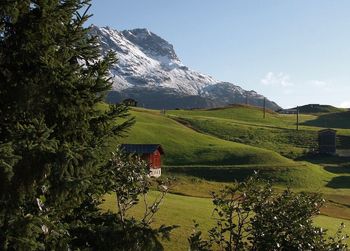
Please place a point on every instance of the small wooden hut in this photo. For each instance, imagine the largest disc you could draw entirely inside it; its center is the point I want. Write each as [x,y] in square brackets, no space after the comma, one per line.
[130,102]
[327,141]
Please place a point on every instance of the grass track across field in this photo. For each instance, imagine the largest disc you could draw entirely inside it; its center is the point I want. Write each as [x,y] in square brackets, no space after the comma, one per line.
[277,132]
[206,156]
[184,146]
[209,157]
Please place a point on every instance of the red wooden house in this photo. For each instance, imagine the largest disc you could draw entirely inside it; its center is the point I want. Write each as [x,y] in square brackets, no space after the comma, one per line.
[151,153]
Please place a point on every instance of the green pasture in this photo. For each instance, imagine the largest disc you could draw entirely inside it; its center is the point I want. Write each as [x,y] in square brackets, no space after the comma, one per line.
[277,132]
[196,154]
[206,149]
[184,146]
[183,210]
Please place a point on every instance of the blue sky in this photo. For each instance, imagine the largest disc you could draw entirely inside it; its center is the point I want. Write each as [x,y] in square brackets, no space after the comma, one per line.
[292,51]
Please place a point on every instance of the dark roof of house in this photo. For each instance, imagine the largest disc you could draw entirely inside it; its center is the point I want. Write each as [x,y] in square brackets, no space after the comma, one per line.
[141,148]
[327,130]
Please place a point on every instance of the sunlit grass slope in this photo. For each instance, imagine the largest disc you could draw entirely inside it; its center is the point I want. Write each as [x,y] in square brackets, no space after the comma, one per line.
[254,116]
[201,155]
[195,154]
[246,115]
[277,132]
[184,146]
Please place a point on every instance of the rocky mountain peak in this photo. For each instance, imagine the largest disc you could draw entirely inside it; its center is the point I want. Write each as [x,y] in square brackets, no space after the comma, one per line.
[149,70]
[151,44]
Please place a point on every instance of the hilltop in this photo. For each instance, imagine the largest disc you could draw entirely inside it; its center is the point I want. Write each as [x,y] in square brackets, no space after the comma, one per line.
[317,108]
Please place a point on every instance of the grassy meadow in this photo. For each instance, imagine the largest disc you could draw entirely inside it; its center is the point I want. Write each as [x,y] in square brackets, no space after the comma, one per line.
[183,210]
[207,149]
[183,146]
[276,132]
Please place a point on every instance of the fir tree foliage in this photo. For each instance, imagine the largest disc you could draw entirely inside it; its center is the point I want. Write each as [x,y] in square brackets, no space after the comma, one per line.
[52,135]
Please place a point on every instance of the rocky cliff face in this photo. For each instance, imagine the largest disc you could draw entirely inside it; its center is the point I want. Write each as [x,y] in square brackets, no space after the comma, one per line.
[149,71]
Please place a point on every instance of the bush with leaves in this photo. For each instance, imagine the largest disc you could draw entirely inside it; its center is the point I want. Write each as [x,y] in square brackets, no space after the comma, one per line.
[127,177]
[252,216]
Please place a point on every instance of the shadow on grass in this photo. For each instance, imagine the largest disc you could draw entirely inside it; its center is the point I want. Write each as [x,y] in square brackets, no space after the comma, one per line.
[339,182]
[226,174]
[338,169]
[333,120]
[324,159]
[213,174]
[343,142]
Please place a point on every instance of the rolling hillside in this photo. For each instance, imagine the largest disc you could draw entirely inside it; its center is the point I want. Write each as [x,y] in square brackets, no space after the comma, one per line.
[277,132]
[316,108]
[202,148]
[201,155]
[184,146]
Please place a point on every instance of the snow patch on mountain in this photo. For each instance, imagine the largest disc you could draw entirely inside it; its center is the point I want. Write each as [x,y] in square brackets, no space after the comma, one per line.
[147,61]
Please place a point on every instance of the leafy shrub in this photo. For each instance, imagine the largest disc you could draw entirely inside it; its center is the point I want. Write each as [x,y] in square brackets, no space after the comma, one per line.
[252,216]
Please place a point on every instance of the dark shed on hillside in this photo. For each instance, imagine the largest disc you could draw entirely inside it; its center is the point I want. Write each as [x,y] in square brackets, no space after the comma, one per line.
[151,153]
[327,141]
[130,102]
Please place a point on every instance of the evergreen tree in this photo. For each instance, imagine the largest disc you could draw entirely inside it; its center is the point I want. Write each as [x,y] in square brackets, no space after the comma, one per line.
[52,134]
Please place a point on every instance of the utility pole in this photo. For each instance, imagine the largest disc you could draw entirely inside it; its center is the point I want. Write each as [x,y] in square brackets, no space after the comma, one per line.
[264,107]
[297,118]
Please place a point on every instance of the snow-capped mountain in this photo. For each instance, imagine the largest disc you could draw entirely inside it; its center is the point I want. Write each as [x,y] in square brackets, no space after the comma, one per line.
[149,71]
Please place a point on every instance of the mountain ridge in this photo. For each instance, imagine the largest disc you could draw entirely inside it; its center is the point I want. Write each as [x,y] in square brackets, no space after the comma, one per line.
[149,70]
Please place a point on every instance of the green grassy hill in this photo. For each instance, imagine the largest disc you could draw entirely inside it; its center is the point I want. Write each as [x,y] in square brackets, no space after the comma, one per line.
[277,132]
[337,120]
[184,146]
[220,145]
[246,125]
[196,154]
[248,115]
[316,108]
[231,143]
